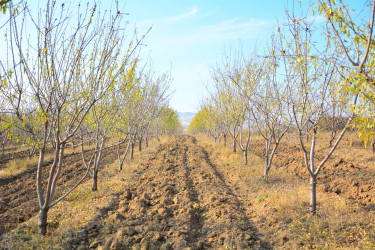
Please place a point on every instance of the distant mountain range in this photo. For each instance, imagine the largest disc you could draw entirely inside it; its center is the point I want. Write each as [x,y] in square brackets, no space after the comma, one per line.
[185,118]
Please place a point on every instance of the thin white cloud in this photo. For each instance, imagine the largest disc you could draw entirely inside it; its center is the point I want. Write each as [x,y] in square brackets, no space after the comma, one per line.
[226,30]
[183,16]
[167,20]
[233,26]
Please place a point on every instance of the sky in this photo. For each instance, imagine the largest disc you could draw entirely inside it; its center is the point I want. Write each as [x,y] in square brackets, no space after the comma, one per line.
[189,37]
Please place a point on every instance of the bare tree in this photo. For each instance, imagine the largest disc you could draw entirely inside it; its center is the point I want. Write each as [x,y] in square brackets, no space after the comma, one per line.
[311,73]
[230,109]
[59,74]
[266,89]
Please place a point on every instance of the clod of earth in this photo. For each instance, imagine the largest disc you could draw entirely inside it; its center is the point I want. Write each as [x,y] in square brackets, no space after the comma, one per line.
[179,203]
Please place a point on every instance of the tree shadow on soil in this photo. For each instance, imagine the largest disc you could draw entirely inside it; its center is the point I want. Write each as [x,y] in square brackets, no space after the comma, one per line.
[264,244]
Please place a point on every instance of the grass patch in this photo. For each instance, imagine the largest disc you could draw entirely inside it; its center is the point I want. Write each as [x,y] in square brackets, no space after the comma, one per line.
[17,166]
[262,197]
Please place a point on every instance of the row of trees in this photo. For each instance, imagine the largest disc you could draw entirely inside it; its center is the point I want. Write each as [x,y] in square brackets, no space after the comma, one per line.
[75,79]
[301,82]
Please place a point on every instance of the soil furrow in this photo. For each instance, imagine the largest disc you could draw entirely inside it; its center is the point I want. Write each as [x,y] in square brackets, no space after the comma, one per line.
[179,201]
[351,180]
[18,197]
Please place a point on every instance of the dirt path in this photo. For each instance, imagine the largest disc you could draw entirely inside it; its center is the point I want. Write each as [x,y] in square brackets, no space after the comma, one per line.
[179,201]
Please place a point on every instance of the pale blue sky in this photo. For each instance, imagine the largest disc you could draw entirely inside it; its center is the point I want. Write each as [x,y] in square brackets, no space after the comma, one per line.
[188,37]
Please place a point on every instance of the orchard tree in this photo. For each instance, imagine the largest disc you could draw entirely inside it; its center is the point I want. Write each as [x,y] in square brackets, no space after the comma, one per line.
[128,96]
[57,69]
[265,92]
[310,72]
[172,124]
[337,113]
[230,108]
[272,105]
[140,97]
[243,76]
[4,138]
[100,123]
[199,123]
[103,119]
[153,94]
[209,120]
[155,98]
[352,32]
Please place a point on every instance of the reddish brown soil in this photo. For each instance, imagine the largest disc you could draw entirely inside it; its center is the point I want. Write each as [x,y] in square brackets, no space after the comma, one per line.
[352,180]
[18,196]
[180,201]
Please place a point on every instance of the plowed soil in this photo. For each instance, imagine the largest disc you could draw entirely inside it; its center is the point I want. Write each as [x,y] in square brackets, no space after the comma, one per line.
[351,180]
[18,196]
[180,201]
[188,196]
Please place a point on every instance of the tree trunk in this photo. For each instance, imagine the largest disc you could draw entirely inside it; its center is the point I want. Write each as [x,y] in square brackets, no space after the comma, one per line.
[3,148]
[333,127]
[132,151]
[245,156]
[32,152]
[373,145]
[234,145]
[266,170]
[313,194]
[269,158]
[95,181]
[146,142]
[266,163]
[42,223]
[140,145]
[333,135]
[225,140]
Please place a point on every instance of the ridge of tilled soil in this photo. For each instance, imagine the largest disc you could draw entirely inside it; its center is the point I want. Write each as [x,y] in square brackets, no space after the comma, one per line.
[18,196]
[353,181]
[180,201]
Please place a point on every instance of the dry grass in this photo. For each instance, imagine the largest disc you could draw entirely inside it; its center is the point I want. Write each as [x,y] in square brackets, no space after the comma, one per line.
[279,209]
[18,166]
